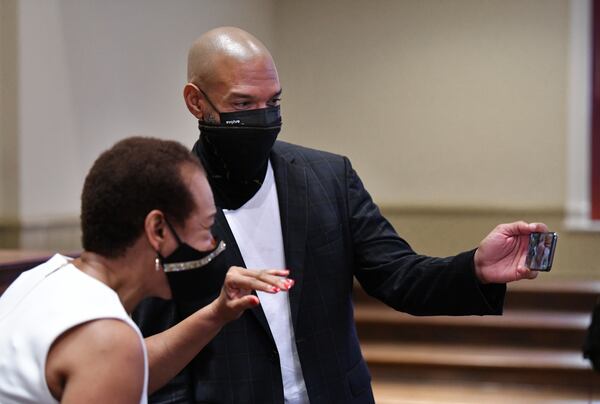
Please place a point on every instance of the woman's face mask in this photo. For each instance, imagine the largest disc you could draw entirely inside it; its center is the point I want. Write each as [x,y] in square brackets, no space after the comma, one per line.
[186,257]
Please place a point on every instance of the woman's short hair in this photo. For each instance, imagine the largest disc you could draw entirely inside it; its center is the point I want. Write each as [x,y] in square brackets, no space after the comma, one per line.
[125,183]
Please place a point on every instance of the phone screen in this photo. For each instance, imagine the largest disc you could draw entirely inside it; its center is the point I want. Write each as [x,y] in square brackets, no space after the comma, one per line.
[541,251]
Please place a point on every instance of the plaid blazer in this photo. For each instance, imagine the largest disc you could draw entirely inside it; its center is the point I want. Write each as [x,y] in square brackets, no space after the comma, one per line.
[332,232]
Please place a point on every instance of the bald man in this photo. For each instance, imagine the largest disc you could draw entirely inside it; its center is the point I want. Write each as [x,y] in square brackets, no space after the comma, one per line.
[286,206]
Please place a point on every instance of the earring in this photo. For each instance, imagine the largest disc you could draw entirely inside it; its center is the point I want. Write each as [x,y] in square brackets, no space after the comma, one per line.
[157,264]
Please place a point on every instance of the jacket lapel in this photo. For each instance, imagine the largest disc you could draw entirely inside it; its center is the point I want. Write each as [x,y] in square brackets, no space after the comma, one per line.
[290,180]
[292,194]
[234,257]
[222,230]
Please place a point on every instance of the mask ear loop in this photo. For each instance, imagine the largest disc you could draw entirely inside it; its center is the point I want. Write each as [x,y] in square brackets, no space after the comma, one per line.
[173,231]
[158,260]
[209,101]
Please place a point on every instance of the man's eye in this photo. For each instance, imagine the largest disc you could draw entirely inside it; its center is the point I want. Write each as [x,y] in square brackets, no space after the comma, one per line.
[242,104]
[275,101]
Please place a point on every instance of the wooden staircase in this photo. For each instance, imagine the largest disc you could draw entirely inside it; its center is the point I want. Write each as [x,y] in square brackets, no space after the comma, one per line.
[532,353]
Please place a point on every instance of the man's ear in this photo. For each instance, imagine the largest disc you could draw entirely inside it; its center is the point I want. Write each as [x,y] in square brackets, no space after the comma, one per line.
[191,95]
[155,228]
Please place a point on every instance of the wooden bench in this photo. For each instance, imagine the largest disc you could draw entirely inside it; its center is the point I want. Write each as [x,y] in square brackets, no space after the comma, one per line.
[13,262]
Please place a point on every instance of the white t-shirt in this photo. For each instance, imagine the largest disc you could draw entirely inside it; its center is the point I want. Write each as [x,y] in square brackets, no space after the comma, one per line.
[35,310]
[256,227]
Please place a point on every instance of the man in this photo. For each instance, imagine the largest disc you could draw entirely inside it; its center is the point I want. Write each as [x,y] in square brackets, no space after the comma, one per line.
[66,335]
[282,204]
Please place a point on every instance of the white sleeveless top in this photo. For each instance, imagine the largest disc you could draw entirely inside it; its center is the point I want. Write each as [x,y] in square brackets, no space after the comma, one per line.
[35,310]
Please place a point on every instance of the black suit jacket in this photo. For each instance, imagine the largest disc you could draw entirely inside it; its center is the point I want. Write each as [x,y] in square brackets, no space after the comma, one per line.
[332,232]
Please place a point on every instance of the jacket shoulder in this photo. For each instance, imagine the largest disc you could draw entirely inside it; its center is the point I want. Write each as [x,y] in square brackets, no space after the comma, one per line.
[307,156]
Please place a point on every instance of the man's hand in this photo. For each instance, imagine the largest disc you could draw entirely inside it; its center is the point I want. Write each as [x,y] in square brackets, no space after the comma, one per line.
[500,257]
[239,283]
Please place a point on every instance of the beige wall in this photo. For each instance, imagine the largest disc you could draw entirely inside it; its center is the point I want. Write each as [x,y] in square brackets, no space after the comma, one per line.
[440,103]
[9,145]
[92,72]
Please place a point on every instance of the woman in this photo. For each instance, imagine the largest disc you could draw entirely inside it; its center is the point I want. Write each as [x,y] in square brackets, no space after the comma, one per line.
[147,210]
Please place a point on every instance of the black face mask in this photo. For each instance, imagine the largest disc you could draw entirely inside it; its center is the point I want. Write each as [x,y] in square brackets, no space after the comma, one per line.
[236,151]
[186,257]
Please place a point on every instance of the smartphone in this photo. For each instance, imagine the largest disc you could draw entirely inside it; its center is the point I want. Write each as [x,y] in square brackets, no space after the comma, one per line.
[540,252]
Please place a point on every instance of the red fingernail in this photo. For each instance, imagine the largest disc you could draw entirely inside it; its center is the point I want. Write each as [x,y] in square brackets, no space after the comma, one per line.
[276,289]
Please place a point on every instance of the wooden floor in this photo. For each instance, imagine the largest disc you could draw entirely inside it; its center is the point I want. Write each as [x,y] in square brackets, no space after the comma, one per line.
[531,354]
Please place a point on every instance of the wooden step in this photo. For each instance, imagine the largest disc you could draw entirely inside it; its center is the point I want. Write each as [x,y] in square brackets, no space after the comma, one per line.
[523,319]
[439,391]
[563,295]
[567,295]
[559,329]
[537,342]
[410,361]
